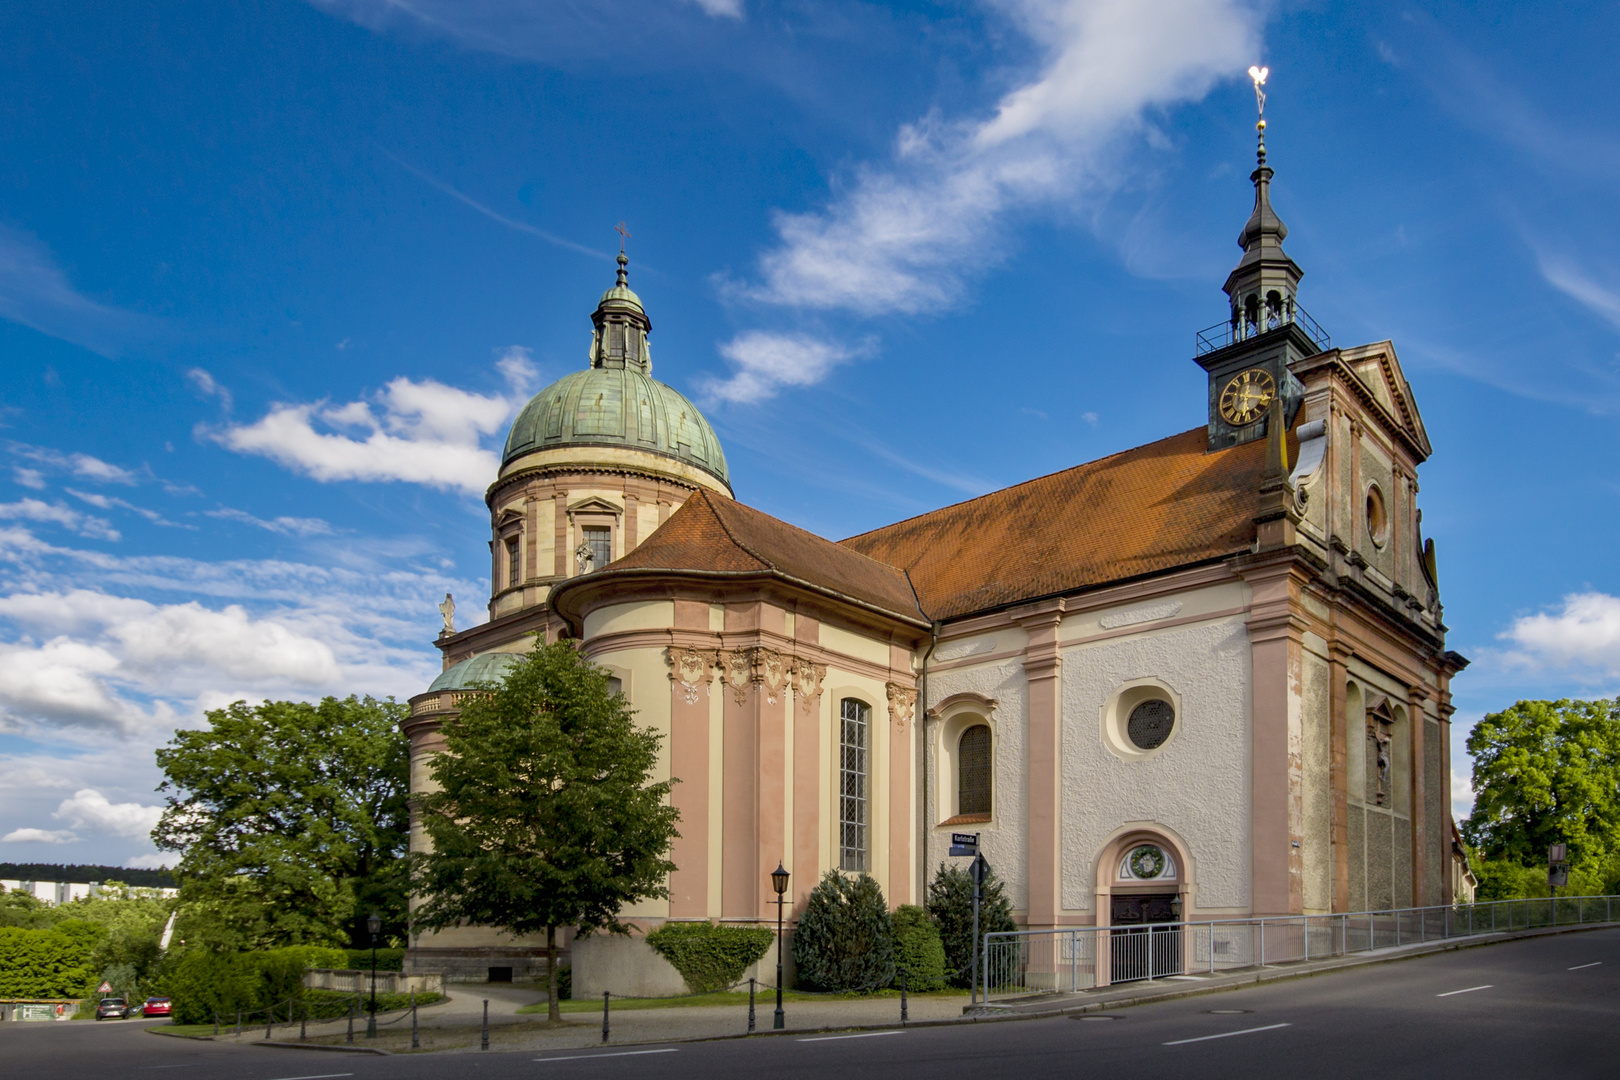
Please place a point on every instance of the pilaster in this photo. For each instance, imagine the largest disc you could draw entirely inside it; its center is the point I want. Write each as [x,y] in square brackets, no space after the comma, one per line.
[1042,668]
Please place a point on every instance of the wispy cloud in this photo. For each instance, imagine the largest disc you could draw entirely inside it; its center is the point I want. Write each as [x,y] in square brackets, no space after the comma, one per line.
[82,466]
[286,526]
[721,9]
[511,223]
[764,362]
[57,514]
[35,292]
[209,388]
[38,836]
[108,502]
[908,235]
[1562,274]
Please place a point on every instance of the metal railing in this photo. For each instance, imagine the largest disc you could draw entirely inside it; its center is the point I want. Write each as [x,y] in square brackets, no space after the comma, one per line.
[1023,962]
[1222,334]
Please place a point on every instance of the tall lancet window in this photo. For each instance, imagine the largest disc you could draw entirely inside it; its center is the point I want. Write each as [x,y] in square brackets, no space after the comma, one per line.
[854,724]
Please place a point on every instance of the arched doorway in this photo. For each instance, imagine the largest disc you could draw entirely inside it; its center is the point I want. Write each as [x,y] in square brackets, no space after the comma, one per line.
[1146,878]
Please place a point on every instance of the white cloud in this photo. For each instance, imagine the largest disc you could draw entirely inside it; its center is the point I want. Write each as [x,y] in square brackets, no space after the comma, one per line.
[36,293]
[906,236]
[1584,633]
[721,9]
[287,526]
[81,465]
[38,836]
[764,362]
[89,809]
[208,387]
[108,502]
[419,432]
[29,478]
[1567,278]
[154,861]
[57,514]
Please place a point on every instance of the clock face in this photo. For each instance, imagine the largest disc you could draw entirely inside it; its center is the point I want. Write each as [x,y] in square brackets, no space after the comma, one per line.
[1247,396]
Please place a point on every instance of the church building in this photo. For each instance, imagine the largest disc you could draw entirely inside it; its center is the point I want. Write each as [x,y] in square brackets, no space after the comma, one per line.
[1203,678]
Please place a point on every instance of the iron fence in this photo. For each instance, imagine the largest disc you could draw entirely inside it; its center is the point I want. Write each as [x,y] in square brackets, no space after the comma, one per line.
[1023,962]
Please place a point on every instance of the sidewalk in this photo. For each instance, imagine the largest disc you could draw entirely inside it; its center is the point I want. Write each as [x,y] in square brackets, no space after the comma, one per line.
[454,1025]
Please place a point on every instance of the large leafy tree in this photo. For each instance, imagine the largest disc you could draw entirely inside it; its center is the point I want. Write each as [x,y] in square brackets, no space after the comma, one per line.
[545,814]
[291,822]
[1547,772]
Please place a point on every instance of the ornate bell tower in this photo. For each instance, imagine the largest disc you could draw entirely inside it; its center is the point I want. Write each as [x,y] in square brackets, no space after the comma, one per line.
[1249,357]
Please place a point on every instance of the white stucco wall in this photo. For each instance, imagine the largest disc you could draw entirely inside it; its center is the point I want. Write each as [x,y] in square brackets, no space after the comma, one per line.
[1197,786]
[1004,839]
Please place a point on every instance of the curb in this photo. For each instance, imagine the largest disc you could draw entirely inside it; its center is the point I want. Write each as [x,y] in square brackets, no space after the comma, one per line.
[323,1047]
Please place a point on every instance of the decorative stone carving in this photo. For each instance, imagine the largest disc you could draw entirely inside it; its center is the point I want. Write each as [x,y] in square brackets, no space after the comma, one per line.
[807,682]
[772,671]
[447,612]
[584,559]
[690,667]
[902,704]
[737,669]
[1380,718]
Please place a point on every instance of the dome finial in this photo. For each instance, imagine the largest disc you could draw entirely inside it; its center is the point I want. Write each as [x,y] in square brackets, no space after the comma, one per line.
[1258,74]
[624,260]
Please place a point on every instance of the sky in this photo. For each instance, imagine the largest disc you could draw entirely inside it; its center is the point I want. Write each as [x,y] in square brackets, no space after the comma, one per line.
[275,276]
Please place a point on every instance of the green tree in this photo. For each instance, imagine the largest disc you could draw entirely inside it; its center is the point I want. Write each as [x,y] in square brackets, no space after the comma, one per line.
[545,815]
[950,902]
[845,938]
[291,822]
[1547,772]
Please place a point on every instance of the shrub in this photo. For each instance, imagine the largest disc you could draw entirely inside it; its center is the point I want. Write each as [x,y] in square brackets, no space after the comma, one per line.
[918,948]
[52,963]
[709,957]
[360,960]
[202,984]
[845,939]
[950,904]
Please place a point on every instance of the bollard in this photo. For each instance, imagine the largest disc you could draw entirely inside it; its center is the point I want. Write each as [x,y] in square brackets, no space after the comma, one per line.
[239,1021]
[751,1006]
[303,1022]
[350,1037]
[483,1041]
[216,1021]
[270,1023]
[605,995]
[903,1016]
[415,1043]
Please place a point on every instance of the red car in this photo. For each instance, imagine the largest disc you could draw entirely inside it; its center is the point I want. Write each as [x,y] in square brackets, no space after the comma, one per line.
[155,1006]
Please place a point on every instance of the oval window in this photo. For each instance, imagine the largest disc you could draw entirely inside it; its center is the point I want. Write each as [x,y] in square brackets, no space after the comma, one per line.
[1150,723]
[1377,516]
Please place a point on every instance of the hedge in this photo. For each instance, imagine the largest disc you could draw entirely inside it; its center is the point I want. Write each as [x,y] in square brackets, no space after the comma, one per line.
[918,948]
[202,983]
[709,957]
[52,963]
[387,959]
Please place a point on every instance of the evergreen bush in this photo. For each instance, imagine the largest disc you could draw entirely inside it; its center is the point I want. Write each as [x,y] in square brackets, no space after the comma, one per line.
[845,938]
[52,963]
[950,905]
[918,948]
[710,958]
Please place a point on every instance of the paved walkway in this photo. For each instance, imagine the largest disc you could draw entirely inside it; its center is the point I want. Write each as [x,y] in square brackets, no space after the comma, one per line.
[454,1024]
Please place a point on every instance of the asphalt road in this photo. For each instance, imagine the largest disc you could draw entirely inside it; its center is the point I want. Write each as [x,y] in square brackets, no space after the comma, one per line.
[1541,1008]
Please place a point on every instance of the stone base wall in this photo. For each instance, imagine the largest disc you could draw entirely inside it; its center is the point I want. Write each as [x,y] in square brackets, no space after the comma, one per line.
[482,965]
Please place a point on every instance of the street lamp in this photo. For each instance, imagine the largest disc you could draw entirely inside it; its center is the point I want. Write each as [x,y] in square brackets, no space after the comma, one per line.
[374,924]
[779,882]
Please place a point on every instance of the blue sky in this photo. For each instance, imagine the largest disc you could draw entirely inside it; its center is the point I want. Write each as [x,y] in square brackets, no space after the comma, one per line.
[274,277]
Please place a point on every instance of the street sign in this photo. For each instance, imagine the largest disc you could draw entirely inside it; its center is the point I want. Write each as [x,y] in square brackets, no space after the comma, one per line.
[964,843]
[978,869]
[1557,853]
[1558,876]
[104,988]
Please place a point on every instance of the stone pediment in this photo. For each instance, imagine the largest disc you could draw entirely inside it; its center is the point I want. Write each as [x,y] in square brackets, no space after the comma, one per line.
[595,505]
[508,516]
[1378,370]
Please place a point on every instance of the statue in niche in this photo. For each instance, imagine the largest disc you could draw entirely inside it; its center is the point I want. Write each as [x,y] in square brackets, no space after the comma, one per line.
[584,558]
[1381,740]
[447,612]
[1380,719]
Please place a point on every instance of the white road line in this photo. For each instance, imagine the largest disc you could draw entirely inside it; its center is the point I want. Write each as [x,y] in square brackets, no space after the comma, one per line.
[621,1053]
[862,1035]
[317,1076]
[1578,967]
[1469,990]
[1228,1034]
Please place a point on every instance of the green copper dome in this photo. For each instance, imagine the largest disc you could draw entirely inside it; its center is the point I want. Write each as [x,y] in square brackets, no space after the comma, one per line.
[484,668]
[616,402]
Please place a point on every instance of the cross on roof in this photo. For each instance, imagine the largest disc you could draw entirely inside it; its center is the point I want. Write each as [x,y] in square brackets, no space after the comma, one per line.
[624,234]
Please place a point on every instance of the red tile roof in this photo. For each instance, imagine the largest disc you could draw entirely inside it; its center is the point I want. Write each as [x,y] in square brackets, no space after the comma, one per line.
[1155,508]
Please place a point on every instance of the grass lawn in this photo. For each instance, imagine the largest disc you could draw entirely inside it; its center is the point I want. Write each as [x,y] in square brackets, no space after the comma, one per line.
[186,1031]
[765,998]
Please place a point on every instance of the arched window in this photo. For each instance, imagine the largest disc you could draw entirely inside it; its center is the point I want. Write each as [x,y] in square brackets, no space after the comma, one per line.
[854,724]
[973,771]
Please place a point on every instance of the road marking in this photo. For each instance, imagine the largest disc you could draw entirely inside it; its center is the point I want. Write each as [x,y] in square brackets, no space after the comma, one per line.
[1228,1034]
[1470,990]
[189,1065]
[1578,967]
[317,1076]
[862,1035]
[621,1053]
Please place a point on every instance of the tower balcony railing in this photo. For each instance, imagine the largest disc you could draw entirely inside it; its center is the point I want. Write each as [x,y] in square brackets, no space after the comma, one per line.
[1227,333]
